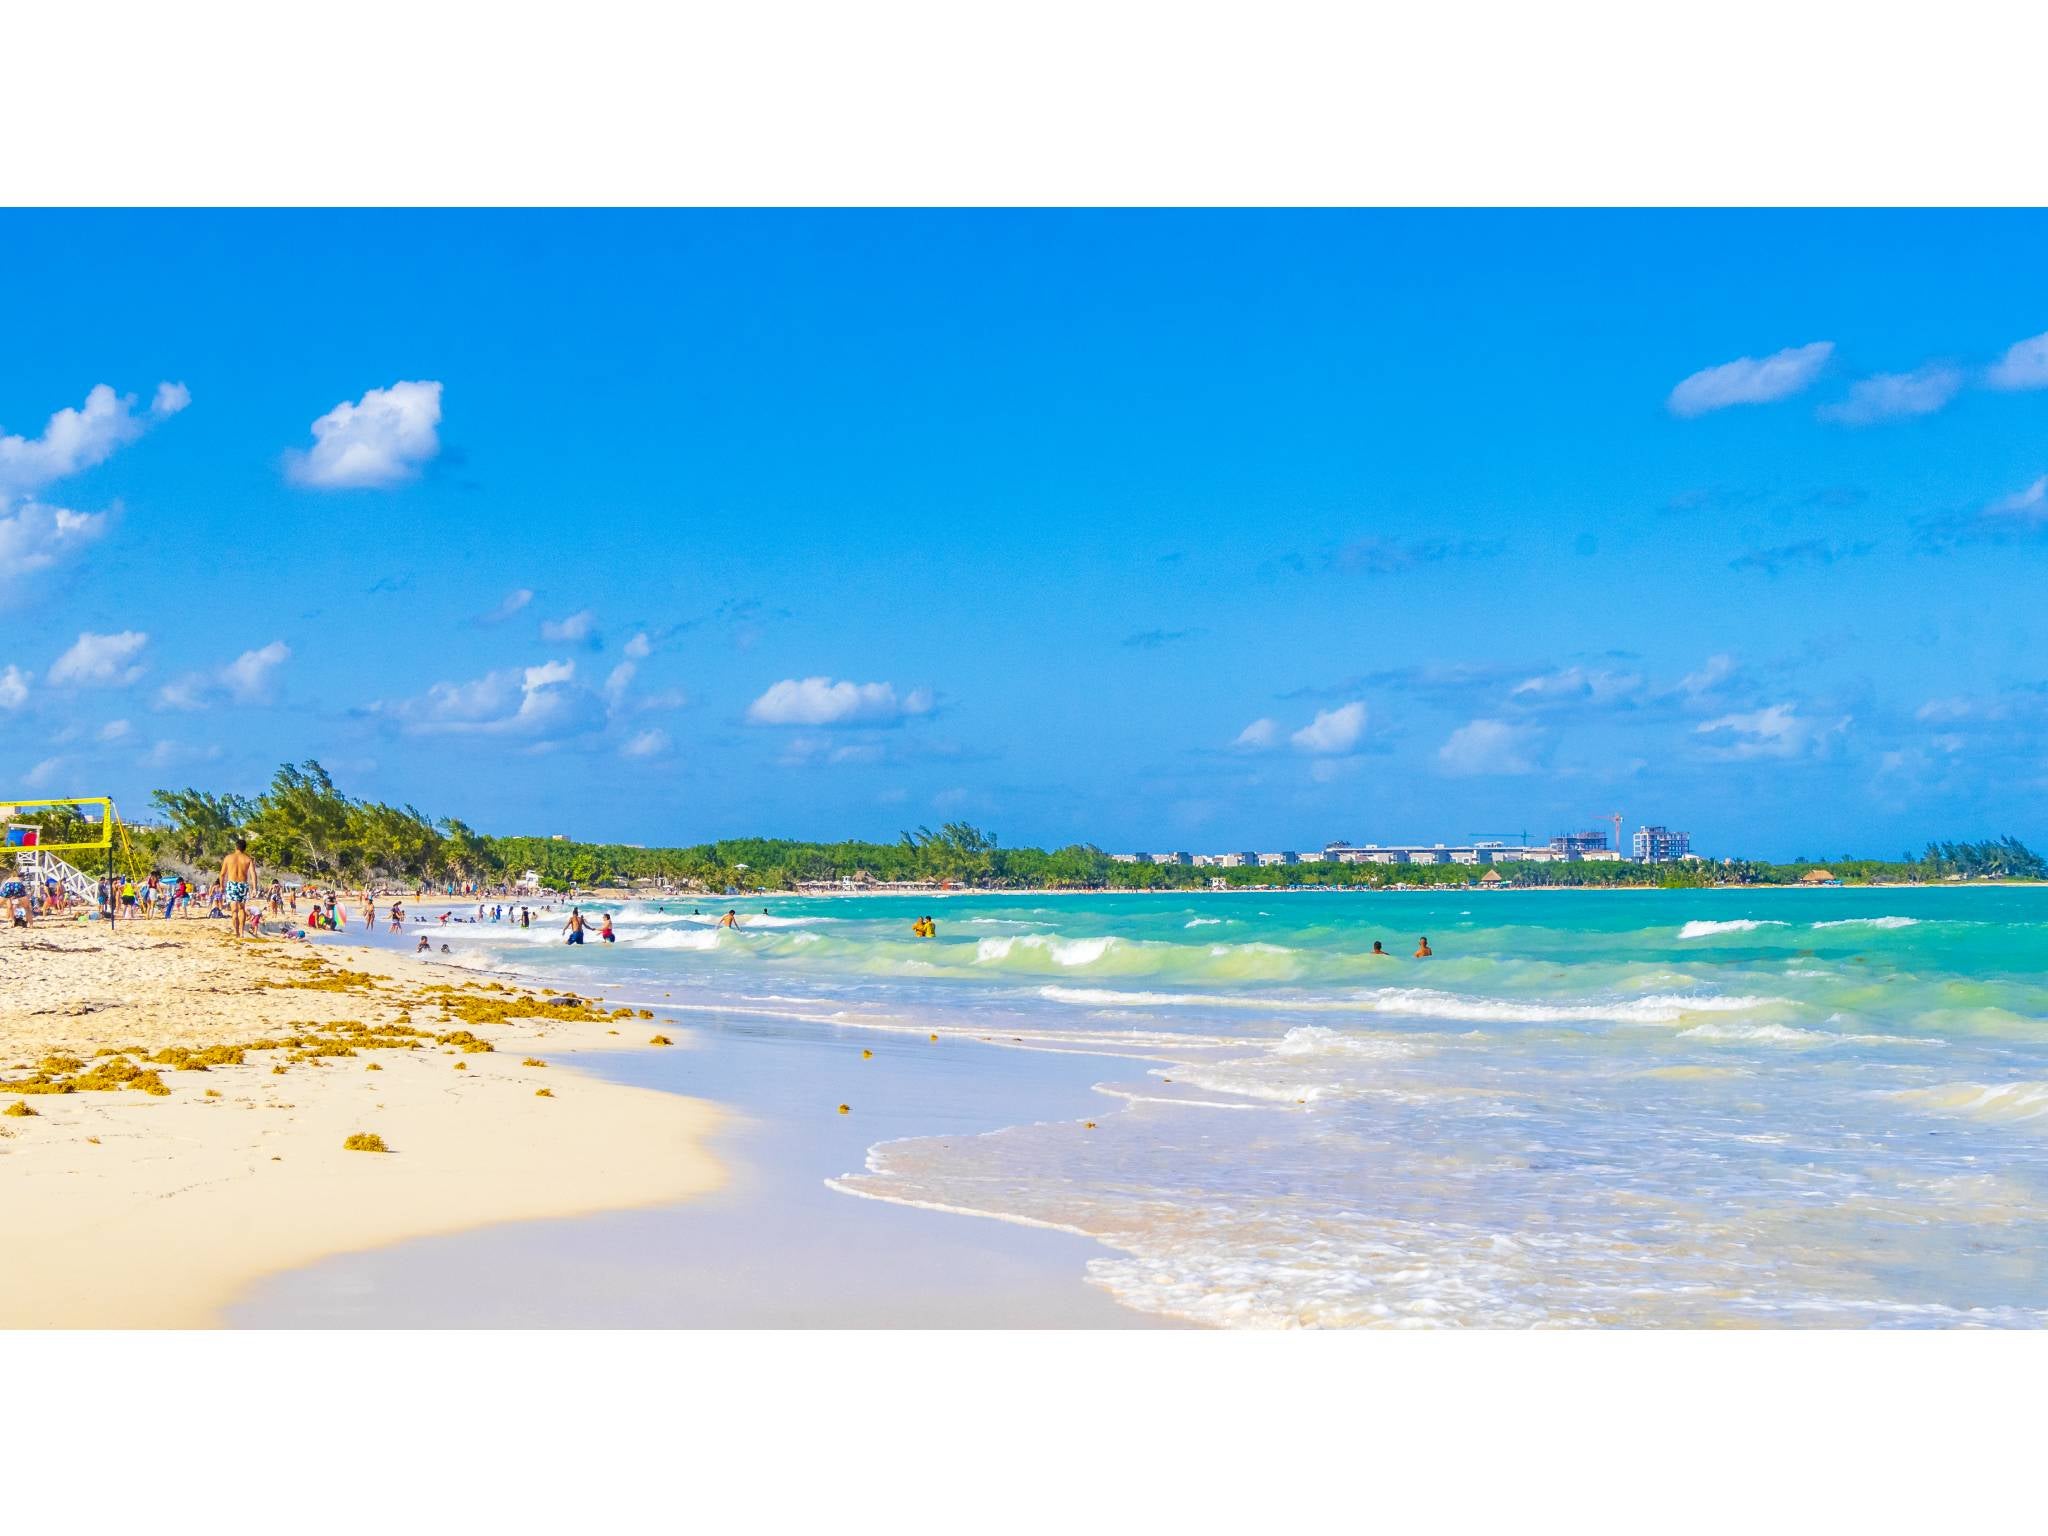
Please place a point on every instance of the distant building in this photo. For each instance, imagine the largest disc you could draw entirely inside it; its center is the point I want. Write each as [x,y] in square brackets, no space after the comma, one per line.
[1266,860]
[1173,858]
[1130,858]
[559,837]
[1575,844]
[1661,845]
[1436,853]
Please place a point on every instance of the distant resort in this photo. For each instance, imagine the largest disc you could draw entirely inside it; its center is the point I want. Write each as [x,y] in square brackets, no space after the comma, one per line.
[1653,845]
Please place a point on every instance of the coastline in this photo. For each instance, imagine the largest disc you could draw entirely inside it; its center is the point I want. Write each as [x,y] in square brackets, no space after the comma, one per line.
[777,1246]
[156,1208]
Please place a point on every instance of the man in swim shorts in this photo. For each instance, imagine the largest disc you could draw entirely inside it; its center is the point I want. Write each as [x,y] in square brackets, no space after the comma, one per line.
[574,927]
[237,874]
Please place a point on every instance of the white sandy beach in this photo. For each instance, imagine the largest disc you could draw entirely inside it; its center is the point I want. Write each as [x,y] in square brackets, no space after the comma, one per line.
[139,1209]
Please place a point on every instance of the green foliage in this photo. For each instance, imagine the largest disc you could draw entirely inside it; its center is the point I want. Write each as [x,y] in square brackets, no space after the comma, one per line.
[304,824]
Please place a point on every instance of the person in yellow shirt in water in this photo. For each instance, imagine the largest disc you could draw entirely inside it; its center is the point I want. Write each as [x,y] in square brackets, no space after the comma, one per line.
[924,928]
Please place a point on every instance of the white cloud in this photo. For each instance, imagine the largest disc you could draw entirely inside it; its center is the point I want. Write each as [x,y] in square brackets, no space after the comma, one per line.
[540,703]
[621,679]
[380,440]
[576,627]
[1332,730]
[2024,366]
[13,688]
[1716,670]
[1890,396]
[35,537]
[100,661]
[113,730]
[1777,730]
[247,680]
[75,439]
[640,647]
[1750,380]
[1259,735]
[1488,746]
[513,601]
[2026,506]
[650,743]
[247,677]
[44,774]
[1593,685]
[821,701]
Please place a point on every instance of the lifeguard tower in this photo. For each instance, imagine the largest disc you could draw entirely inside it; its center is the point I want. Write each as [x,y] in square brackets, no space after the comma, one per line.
[88,828]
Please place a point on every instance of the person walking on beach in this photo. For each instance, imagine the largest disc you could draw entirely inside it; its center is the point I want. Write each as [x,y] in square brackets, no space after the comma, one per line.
[574,927]
[237,874]
[1422,949]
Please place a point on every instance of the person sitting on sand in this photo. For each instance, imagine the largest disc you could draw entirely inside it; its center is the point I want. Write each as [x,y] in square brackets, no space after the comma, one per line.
[15,893]
[574,927]
[1422,949]
[423,947]
[237,874]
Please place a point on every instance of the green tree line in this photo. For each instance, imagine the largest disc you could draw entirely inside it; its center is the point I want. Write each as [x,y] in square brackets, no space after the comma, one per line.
[303,824]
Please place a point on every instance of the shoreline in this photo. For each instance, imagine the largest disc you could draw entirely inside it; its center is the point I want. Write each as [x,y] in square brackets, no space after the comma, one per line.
[778,1246]
[157,1208]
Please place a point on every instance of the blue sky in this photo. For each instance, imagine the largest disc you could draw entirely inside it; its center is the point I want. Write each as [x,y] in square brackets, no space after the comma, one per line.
[1204,530]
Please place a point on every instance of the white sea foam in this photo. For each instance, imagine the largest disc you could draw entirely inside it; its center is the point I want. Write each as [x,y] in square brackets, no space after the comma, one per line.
[1779,1034]
[2014,1103]
[1703,929]
[1869,922]
[669,940]
[1202,922]
[1422,1002]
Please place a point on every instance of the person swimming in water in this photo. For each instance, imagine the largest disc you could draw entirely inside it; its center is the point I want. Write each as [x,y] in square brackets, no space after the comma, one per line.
[1422,949]
[731,918]
[1378,948]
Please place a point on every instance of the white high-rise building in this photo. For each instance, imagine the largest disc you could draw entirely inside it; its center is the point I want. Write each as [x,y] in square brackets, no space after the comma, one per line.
[1661,845]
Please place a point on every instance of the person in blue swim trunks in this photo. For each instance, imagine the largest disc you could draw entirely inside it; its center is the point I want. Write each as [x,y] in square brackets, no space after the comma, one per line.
[575,926]
[237,874]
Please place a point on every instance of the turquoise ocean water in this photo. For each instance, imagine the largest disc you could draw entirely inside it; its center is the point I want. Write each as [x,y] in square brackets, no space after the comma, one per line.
[1746,1108]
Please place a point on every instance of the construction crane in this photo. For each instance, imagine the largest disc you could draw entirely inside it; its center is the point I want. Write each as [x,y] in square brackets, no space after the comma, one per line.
[1521,837]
